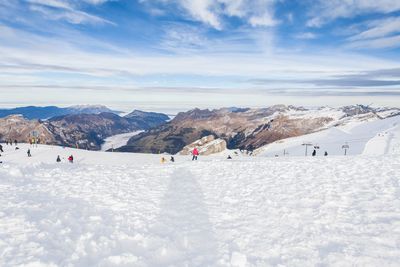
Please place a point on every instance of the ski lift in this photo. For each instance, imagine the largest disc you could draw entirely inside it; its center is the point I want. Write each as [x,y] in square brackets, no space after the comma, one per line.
[306,144]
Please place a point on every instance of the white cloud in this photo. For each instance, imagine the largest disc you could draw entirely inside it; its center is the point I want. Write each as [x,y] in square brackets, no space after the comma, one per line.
[25,52]
[256,13]
[204,11]
[52,3]
[379,28]
[30,63]
[324,11]
[96,2]
[306,35]
[261,13]
[67,11]
[375,34]
[182,39]
[377,43]
[264,20]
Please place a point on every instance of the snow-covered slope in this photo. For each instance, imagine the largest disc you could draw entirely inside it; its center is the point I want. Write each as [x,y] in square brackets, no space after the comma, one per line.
[356,134]
[113,209]
[385,142]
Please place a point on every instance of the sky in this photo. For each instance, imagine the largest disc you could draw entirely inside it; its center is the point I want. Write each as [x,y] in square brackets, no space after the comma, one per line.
[173,55]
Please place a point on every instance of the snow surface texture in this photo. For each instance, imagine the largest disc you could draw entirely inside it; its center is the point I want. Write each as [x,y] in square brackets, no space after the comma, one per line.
[121,209]
[118,140]
[377,137]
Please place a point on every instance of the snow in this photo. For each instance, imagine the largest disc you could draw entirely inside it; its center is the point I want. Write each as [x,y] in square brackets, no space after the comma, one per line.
[118,140]
[356,134]
[387,142]
[314,113]
[121,209]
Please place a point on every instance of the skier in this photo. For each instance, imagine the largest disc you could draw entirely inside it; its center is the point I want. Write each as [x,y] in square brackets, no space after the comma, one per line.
[29,153]
[58,158]
[15,142]
[1,148]
[195,153]
[172,159]
[326,153]
[163,160]
[314,153]
[7,142]
[71,159]
[229,157]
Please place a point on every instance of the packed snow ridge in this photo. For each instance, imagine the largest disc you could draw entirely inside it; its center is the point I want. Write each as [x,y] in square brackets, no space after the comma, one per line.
[116,209]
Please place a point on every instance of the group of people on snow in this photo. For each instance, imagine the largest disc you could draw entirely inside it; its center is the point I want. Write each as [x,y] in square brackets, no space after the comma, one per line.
[195,153]
[70,159]
[34,141]
[314,153]
[29,153]
[10,142]
[164,160]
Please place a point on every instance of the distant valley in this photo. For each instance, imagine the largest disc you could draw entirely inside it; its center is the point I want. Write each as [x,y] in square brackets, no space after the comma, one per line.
[77,129]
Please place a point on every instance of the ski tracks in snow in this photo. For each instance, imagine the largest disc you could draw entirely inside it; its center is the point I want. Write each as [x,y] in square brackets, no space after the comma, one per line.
[183,229]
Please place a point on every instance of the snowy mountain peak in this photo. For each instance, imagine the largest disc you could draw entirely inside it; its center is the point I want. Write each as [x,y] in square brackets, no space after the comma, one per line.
[91,109]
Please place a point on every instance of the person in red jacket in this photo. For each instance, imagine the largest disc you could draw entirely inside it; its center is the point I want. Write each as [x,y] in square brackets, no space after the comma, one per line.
[71,159]
[195,153]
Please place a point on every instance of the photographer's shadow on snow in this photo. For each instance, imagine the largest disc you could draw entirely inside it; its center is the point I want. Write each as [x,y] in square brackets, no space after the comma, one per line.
[183,231]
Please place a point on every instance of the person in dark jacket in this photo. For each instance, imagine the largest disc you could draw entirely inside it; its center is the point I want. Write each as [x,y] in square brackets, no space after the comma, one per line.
[29,153]
[326,153]
[314,153]
[172,159]
[58,158]
[1,148]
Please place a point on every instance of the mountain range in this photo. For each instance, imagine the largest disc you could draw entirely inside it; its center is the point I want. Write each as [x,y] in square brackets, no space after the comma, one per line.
[81,130]
[240,128]
[43,113]
[248,129]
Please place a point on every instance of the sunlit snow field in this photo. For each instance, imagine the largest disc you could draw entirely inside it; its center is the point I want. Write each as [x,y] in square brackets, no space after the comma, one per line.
[114,209]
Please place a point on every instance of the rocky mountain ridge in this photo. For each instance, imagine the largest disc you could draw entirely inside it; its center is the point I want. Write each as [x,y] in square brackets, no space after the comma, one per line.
[248,129]
[86,131]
